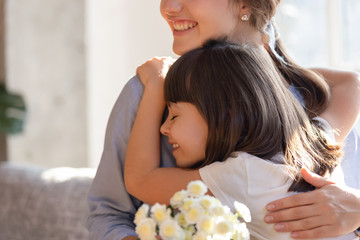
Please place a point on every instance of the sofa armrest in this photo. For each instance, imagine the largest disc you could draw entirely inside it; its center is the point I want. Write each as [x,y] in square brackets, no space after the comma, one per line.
[38,203]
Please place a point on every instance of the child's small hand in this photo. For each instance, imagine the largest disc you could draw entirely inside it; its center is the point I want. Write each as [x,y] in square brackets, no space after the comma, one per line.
[154,70]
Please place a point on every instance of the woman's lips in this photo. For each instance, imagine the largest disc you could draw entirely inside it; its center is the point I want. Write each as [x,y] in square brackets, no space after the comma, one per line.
[183,25]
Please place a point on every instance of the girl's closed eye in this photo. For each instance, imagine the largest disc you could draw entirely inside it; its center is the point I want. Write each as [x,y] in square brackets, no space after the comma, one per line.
[173,117]
[173,113]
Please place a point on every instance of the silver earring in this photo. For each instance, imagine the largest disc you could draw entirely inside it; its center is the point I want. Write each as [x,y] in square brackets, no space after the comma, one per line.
[244,17]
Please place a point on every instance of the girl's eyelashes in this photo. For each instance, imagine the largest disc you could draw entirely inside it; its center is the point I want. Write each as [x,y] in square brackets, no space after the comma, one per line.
[173,117]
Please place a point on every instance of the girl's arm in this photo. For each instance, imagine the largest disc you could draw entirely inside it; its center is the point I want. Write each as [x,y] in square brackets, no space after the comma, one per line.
[144,178]
[344,106]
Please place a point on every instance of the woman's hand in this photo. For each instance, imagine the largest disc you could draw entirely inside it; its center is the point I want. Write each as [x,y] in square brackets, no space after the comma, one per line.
[154,70]
[329,211]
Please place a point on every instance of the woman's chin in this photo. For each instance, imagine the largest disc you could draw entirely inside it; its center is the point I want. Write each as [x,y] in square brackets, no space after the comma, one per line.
[180,49]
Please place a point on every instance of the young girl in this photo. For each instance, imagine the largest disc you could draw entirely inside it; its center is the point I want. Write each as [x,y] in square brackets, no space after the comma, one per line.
[192,22]
[234,124]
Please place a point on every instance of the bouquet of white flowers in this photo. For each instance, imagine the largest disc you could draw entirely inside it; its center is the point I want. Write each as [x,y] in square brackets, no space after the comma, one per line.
[192,215]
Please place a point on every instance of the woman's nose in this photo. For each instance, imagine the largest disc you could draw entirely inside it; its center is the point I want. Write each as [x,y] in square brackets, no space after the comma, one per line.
[170,7]
[164,129]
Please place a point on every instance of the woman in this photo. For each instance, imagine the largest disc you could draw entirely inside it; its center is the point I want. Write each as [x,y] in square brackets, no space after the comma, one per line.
[192,23]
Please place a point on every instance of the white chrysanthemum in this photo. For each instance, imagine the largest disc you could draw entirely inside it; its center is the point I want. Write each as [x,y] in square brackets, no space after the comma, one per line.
[194,214]
[187,203]
[243,211]
[208,202]
[241,232]
[170,230]
[160,212]
[206,224]
[197,188]
[180,218]
[141,213]
[220,210]
[231,218]
[178,197]
[224,227]
[146,229]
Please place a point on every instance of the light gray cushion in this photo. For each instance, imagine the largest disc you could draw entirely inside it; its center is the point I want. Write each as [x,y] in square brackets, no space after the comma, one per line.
[38,203]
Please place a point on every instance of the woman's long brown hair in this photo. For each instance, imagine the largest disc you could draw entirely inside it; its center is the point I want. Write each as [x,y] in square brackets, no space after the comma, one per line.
[312,87]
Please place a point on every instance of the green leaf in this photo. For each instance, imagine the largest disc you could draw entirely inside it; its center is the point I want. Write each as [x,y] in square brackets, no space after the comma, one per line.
[12,112]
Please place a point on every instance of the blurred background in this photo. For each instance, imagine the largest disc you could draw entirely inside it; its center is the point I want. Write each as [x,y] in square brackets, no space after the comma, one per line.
[69,60]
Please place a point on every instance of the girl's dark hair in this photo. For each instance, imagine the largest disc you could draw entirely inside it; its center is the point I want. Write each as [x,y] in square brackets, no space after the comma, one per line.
[244,100]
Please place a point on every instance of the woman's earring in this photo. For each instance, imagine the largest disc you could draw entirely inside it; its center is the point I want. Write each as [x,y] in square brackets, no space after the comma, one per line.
[244,17]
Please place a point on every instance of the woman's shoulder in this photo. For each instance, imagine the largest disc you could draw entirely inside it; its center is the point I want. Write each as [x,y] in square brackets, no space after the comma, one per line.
[130,95]
[125,108]
[133,88]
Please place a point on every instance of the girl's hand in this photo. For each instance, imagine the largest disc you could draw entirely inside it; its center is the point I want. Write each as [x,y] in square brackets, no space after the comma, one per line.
[329,211]
[154,70]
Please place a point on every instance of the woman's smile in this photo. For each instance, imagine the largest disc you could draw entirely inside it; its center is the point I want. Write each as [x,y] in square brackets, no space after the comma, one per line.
[195,21]
[181,25]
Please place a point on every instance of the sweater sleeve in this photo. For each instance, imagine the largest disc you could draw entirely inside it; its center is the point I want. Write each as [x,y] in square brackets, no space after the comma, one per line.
[112,209]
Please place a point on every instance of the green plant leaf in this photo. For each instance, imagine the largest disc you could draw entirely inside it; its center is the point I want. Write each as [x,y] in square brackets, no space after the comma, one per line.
[12,112]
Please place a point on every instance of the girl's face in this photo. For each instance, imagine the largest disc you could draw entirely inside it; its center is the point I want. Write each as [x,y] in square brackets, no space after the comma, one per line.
[195,21]
[187,131]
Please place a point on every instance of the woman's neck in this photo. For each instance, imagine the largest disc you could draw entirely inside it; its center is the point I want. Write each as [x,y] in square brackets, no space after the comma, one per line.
[246,34]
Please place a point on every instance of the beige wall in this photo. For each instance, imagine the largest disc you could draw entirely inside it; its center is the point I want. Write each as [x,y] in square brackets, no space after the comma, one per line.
[46,64]
[70,59]
[120,36]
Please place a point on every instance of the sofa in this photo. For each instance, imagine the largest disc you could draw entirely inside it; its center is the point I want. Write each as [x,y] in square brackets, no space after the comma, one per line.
[43,203]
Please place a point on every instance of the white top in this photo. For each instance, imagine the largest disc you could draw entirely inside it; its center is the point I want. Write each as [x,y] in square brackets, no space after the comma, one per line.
[254,182]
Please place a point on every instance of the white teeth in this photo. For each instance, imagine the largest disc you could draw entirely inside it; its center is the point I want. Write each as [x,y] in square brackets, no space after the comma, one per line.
[175,145]
[183,26]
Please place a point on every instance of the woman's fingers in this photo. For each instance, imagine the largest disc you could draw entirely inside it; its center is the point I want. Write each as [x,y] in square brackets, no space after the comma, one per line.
[314,179]
[303,224]
[292,214]
[293,201]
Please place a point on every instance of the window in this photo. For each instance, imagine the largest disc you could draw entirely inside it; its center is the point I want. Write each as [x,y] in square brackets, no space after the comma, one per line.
[351,32]
[321,32]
